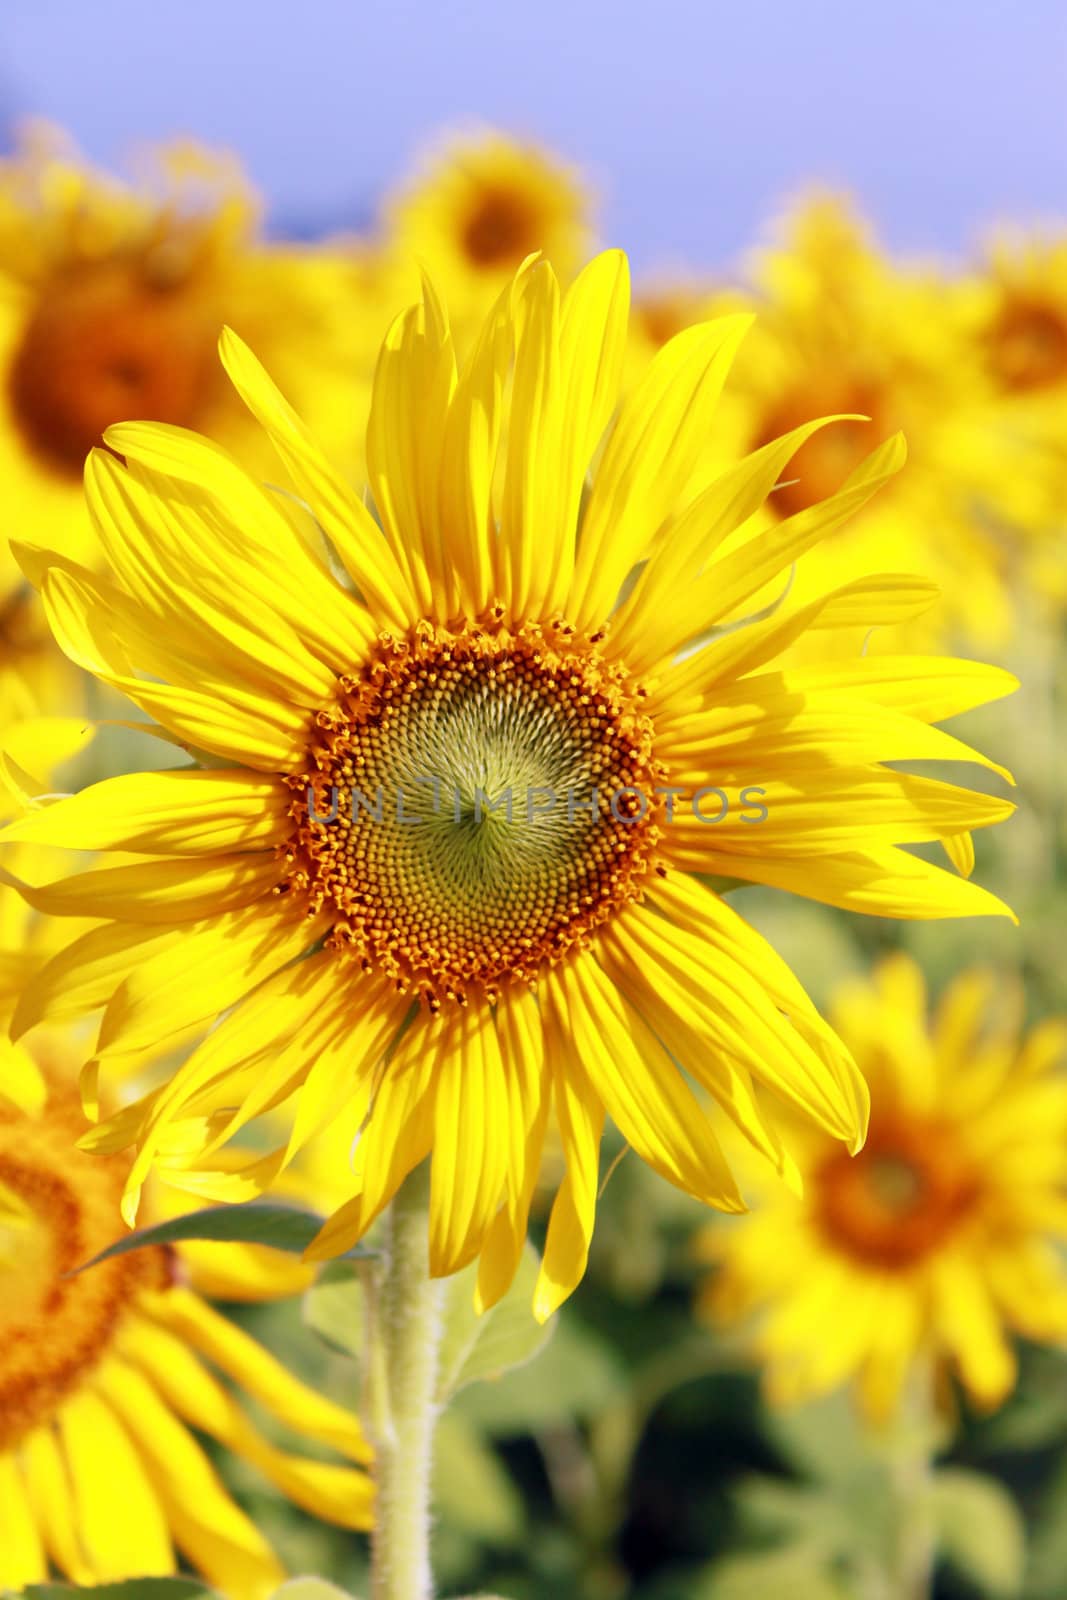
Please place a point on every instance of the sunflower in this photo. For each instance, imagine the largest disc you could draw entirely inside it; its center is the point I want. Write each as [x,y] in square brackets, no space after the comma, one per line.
[1014,312]
[111,301]
[104,1374]
[1024,301]
[482,203]
[843,330]
[447,865]
[941,1238]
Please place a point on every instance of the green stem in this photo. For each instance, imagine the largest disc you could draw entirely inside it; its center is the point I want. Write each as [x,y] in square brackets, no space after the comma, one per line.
[911,1472]
[403,1333]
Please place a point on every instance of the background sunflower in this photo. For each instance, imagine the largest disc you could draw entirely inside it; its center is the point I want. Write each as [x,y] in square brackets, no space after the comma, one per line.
[645,1457]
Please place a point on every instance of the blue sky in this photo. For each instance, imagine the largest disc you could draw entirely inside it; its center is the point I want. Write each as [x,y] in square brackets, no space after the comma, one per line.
[694,119]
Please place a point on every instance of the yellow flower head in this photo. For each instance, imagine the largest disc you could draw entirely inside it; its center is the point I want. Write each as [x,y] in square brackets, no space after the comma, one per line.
[473,767]
[104,1374]
[111,301]
[1022,303]
[1013,313]
[940,1238]
[841,330]
[483,203]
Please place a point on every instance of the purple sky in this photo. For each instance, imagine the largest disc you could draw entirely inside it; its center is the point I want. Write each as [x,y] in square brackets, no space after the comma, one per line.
[694,119]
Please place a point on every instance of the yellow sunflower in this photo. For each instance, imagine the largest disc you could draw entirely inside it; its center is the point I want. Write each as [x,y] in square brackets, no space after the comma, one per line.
[1014,312]
[482,203]
[843,330]
[664,307]
[471,771]
[103,1376]
[1025,323]
[111,302]
[941,1238]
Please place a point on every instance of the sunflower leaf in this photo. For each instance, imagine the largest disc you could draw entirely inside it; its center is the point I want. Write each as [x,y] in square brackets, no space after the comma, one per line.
[333,1308]
[472,1346]
[310,1589]
[475,1347]
[127,1589]
[282,1227]
[980,1531]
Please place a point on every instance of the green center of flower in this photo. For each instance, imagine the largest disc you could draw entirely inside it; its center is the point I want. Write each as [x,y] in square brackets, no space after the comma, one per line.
[480,802]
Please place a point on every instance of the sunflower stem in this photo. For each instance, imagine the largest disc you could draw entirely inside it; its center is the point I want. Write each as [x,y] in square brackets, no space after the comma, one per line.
[403,1338]
[911,1473]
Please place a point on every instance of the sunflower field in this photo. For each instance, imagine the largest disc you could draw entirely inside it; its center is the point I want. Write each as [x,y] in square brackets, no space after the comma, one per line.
[532,851]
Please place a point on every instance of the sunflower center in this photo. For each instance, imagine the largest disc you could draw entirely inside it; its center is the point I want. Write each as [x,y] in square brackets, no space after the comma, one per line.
[115,342]
[1027,345]
[824,461]
[491,797]
[900,1198]
[60,1208]
[662,314]
[501,229]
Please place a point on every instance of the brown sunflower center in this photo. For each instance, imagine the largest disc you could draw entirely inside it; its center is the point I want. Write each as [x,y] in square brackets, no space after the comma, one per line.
[662,314]
[1027,345]
[112,343]
[501,229]
[900,1198]
[825,460]
[492,800]
[59,1208]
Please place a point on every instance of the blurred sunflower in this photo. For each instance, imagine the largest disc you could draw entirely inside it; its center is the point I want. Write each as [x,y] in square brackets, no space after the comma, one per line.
[482,204]
[942,1237]
[1024,330]
[103,1375]
[665,307]
[449,983]
[111,302]
[1014,313]
[843,331]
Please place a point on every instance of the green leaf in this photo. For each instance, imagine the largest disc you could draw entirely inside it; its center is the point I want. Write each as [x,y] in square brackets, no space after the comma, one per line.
[472,1490]
[979,1531]
[770,1575]
[507,1336]
[252,1222]
[130,1589]
[333,1308]
[473,1347]
[1047,1556]
[310,1589]
[577,1376]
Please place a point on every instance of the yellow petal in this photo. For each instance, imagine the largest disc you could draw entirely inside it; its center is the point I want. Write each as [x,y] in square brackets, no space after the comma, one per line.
[218,1538]
[122,1523]
[161,891]
[22,1557]
[656,444]
[471,1118]
[344,518]
[187,812]
[256,1372]
[639,1085]
[570,1222]
[50,1494]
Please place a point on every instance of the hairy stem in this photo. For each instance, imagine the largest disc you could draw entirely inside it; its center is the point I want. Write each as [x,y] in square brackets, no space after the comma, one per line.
[400,1376]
